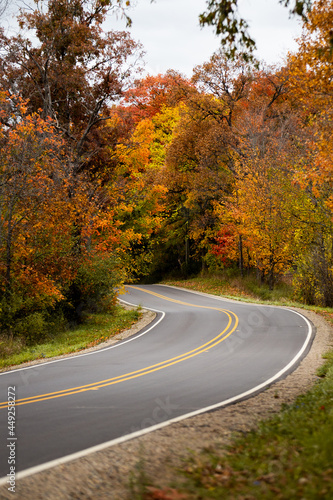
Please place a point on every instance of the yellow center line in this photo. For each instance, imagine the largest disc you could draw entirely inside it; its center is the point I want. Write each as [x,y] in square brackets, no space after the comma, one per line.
[143,371]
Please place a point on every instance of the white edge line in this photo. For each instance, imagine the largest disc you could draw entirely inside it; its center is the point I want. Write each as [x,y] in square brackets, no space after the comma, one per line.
[98,351]
[142,432]
[134,337]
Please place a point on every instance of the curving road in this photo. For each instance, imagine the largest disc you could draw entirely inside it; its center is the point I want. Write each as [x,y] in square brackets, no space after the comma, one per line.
[200,353]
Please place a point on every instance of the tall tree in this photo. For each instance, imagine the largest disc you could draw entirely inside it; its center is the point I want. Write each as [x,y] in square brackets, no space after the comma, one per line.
[68,67]
[45,262]
[310,80]
[149,95]
[35,216]
[70,73]
[223,84]
[140,190]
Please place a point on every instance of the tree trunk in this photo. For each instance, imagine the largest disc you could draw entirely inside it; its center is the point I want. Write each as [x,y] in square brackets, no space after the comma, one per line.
[241,260]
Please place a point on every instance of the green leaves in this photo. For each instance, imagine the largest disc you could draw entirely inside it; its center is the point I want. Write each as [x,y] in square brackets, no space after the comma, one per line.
[222,14]
[234,30]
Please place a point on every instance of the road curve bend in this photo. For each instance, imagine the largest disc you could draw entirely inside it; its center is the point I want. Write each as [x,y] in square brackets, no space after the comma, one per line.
[200,353]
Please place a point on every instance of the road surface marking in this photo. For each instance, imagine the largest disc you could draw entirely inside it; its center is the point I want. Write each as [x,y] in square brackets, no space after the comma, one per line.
[232,325]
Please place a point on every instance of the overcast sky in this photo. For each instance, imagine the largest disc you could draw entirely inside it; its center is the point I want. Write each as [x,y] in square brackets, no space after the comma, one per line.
[170,33]
[172,38]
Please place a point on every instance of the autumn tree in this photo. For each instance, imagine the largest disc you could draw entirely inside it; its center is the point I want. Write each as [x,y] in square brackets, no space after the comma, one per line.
[140,190]
[72,71]
[310,79]
[34,215]
[149,95]
[197,176]
[234,156]
[46,265]
[200,163]
[222,84]
[263,207]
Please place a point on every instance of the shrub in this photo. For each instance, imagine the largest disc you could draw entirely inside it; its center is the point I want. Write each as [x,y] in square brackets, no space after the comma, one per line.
[21,317]
[313,281]
[93,289]
[32,327]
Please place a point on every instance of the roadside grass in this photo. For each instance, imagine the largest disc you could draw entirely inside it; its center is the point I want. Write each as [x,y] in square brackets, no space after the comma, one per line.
[97,329]
[231,285]
[289,456]
[247,289]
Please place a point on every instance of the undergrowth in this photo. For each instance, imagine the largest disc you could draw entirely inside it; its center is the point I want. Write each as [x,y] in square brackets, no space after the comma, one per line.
[97,328]
[231,284]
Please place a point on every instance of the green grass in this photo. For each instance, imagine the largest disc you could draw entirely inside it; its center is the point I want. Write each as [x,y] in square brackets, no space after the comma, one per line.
[233,286]
[290,456]
[96,329]
[247,290]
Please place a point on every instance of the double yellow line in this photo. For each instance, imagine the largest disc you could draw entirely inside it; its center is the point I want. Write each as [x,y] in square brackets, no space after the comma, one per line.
[229,329]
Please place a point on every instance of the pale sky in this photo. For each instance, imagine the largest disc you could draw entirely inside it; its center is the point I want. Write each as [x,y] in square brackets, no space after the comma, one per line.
[172,38]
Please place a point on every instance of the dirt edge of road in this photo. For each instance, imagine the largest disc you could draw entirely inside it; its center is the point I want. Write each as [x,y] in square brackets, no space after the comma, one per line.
[106,474]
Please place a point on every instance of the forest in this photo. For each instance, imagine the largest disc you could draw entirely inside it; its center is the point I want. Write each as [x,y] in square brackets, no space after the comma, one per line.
[110,177]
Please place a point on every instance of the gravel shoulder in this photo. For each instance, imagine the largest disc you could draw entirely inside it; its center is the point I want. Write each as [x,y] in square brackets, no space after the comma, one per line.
[106,474]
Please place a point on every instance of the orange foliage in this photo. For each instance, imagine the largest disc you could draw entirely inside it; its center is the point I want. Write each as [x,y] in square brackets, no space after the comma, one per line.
[151,94]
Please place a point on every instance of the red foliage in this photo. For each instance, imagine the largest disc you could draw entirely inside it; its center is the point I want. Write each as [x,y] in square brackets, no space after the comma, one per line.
[225,244]
[150,94]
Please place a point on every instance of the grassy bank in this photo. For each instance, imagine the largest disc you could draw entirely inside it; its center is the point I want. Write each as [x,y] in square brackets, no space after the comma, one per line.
[96,329]
[235,287]
[247,290]
[290,456]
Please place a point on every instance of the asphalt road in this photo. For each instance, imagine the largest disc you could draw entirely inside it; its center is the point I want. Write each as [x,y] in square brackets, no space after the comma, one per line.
[200,353]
